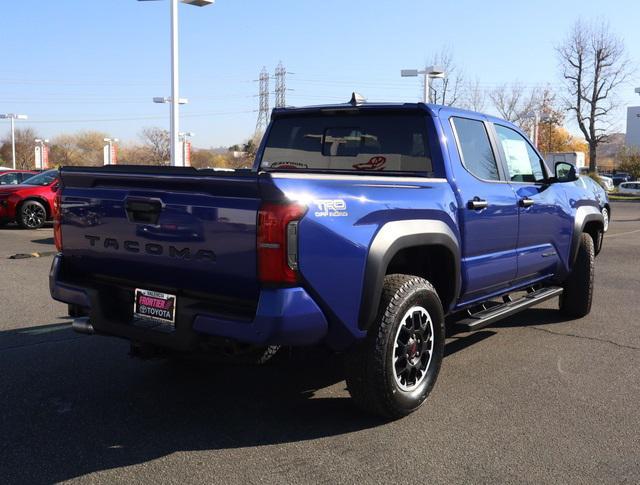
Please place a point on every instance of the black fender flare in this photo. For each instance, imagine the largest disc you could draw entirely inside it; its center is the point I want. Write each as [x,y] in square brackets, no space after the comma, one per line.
[584,215]
[391,238]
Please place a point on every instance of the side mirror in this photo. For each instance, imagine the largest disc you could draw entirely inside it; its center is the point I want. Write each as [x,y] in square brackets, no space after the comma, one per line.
[55,187]
[565,172]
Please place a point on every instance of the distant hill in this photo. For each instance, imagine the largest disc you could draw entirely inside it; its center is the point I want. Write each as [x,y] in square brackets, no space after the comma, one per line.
[614,143]
[608,150]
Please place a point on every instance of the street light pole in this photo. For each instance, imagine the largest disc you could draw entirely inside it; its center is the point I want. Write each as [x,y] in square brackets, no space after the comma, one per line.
[174,100]
[426,96]
[431,72]
[13,117]
[176,159]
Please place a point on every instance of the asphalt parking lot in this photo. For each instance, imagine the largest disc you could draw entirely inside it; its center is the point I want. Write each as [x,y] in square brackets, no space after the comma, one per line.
[532,399]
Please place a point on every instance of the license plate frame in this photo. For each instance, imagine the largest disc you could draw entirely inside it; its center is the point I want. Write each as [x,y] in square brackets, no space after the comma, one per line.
[154,307]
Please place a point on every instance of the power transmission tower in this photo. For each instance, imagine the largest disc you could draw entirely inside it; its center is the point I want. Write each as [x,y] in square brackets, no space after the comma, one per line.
[281,86]
[263,105]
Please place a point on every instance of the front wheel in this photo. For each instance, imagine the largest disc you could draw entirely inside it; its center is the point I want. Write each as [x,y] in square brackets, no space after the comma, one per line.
[392,371]
[575,301]
[32,215]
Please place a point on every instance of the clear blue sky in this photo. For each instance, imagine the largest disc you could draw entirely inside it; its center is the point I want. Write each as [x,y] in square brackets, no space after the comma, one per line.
[95,64]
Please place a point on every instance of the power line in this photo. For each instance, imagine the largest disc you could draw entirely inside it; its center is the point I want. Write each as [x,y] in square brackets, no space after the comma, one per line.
[142,117]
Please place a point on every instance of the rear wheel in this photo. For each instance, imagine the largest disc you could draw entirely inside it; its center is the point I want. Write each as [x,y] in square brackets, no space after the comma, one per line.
[32,215]
[392,371]
[575,301]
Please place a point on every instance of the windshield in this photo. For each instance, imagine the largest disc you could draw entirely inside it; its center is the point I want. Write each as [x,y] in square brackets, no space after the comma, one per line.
[356,142]
[44,178]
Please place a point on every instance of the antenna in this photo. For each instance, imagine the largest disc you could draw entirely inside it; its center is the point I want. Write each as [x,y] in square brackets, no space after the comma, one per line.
[357,99]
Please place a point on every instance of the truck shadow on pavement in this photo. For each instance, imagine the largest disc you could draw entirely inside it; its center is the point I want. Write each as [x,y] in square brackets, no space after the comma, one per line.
[531,317]
[71,405]
[47,240]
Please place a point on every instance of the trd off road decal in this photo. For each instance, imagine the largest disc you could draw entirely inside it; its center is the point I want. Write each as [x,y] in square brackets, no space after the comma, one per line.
[331,208]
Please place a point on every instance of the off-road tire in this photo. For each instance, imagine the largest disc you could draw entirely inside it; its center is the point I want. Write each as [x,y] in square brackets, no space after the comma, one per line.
[575,301]
[369,365]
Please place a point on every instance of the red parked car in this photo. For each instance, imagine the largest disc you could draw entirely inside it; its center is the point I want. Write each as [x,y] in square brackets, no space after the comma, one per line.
[30,203]
[14,177]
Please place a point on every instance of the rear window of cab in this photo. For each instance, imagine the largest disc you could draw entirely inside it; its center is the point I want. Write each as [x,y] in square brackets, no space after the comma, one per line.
[382,142]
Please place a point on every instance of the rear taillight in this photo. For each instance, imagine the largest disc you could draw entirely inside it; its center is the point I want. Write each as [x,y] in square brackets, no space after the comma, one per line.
[57,220]
[278,242]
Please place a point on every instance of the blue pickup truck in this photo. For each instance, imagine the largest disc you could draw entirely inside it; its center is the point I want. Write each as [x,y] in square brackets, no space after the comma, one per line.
[368,228]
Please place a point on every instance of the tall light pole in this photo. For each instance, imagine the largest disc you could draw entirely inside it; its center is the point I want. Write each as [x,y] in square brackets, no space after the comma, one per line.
[13,117]
[174,100]
[431,72]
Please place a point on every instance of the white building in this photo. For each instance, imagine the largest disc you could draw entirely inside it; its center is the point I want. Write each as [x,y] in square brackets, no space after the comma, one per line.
[633,126]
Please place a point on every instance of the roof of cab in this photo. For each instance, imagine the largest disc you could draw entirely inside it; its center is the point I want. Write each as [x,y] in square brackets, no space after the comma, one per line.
[433,109]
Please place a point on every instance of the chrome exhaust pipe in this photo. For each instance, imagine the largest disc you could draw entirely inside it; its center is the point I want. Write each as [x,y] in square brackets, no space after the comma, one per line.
[82,325]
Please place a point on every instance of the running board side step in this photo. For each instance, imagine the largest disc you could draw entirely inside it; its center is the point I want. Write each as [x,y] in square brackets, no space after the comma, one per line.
[487,317]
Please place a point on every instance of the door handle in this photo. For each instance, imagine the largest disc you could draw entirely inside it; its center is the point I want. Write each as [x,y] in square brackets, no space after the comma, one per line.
[526,202]
[477,204]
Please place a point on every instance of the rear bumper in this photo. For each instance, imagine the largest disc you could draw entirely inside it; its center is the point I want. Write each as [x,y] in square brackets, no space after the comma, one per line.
[284,316]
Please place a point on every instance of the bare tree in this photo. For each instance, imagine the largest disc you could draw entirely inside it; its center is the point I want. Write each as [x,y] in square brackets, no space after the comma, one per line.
[515,104]
[25,148]
[475,98]
[448,90]
[593,64]
[159,144]
[64,150]
[83,148]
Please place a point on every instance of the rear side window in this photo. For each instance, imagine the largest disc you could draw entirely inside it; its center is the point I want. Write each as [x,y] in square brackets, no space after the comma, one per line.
[10,178]
[383,142]
[475,148]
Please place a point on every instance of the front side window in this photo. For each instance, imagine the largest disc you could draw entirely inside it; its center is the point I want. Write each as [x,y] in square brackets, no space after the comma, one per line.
[475,148]
[523,163]
[44,178]
[355,142]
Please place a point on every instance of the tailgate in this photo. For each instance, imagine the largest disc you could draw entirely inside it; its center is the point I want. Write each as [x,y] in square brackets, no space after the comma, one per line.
[162,228]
